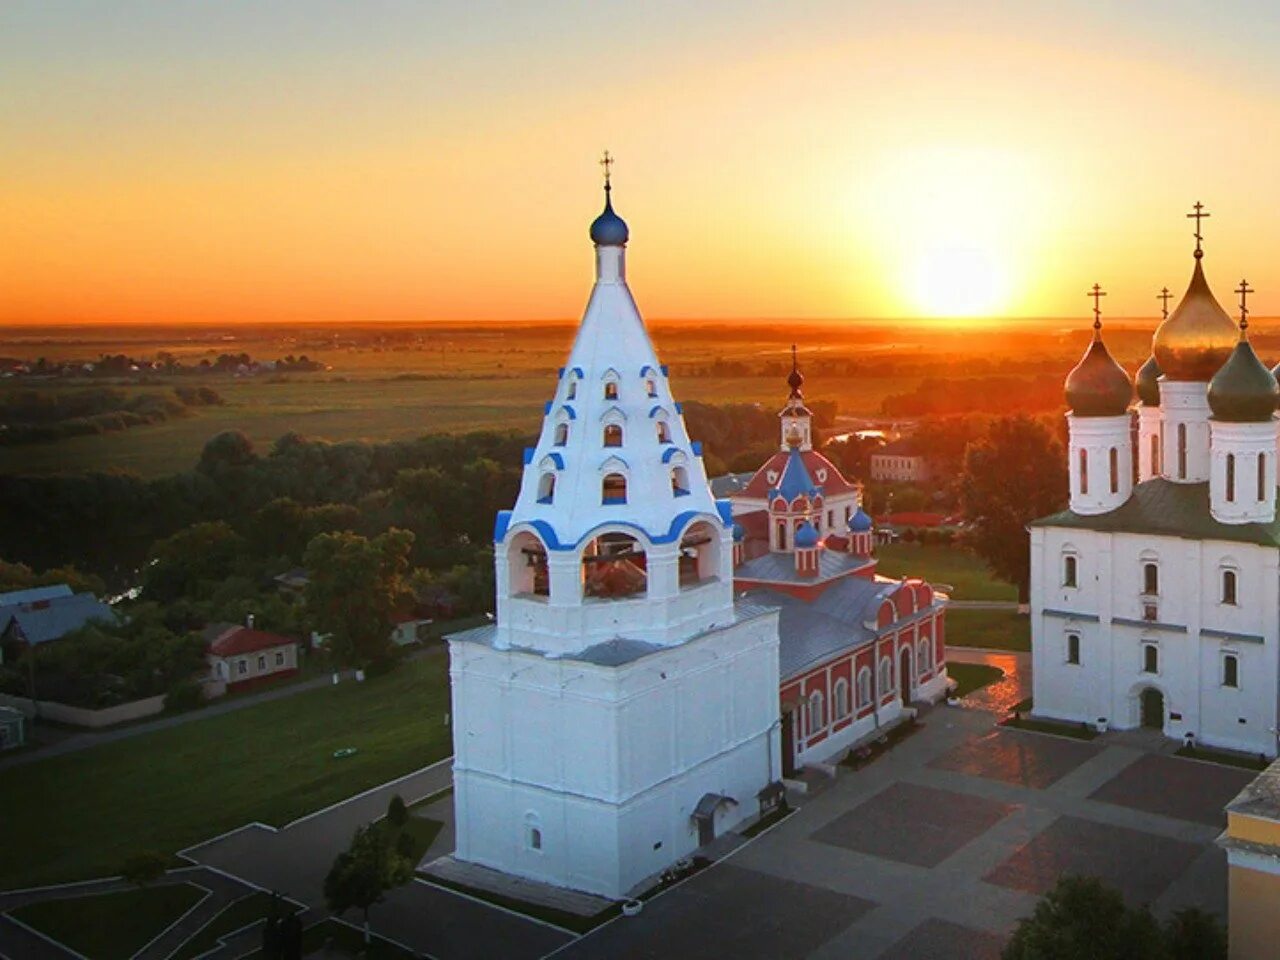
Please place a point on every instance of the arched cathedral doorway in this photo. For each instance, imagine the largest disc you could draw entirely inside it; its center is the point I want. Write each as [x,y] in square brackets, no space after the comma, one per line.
[1151,703]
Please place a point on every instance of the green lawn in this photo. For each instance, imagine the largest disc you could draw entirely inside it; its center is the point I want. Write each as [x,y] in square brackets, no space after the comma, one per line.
[241,913]
[968,575]
[111,926]
[993,629]
[972,676]
[272,762]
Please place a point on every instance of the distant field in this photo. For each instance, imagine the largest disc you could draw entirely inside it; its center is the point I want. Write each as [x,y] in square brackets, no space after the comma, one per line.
[990,629]
[951,565]
[368,405]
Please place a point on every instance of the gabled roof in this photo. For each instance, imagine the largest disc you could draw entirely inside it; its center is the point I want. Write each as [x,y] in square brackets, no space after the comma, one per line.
[243,640]
[815,464]
[45,620]
[1164,508]
[33,594]
[781,568]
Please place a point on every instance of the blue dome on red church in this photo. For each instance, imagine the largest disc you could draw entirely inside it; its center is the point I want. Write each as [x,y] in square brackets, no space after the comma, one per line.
[860,522]
[806,536]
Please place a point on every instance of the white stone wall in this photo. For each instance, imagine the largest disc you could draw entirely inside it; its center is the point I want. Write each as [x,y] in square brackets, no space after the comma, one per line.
[608,763]
[1193,630]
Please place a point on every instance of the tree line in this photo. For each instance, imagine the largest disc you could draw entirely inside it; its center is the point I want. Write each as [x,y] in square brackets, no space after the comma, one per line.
[43,416]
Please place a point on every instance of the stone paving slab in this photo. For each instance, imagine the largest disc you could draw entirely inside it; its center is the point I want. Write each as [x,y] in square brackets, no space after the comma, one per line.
[913,824]
[516,888]
[726,911]
[939,940]
[1139,864]
[1176,787]
[1025,759]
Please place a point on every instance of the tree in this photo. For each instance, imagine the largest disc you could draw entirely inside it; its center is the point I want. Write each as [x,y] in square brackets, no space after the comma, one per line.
[397,812]
[361,875]
[1013,475]
[203,553]
[353,588]
[1083,919]
[231,448]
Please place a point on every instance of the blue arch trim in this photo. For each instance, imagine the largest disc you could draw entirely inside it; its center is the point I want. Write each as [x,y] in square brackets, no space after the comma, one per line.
[578,372]
[668,454]
[679,408]
[697,448]
[546,407]
[500,524]
[725,509]
[527,455]
[548,534]
[557,460]
[653,412]
[570,411]
[663,368]
[646,370]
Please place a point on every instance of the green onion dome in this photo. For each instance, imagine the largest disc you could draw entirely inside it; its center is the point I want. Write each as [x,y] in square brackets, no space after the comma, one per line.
[1098,386]
[1243,390]
[1148,382]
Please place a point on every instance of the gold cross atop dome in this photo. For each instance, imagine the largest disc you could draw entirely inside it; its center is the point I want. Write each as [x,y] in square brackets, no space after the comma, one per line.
[1197,215]
[606,162]
[1244,290]
[1164,296]
[1097,293]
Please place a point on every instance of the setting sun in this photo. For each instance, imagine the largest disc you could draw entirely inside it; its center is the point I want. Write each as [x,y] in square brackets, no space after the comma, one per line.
[955,281]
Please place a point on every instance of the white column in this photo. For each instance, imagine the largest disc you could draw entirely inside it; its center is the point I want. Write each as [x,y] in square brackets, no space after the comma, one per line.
[1184,407]
[1238,451]
[1101,463]
[1148,443]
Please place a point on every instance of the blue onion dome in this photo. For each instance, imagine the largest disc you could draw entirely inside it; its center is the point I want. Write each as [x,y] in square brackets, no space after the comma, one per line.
[1148,382]
[860,522]
[1243,390]
[1198,336]
[1098,386]
[806,536]
[609,229]
[738,533]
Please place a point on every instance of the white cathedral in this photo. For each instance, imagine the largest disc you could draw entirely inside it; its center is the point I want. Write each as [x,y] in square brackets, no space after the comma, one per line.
[1158,604]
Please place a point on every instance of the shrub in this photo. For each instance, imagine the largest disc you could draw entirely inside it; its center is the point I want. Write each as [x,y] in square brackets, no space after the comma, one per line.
[184,695]
[397,812]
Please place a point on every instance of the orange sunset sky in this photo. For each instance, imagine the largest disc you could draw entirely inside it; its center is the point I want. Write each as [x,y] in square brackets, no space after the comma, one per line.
[317,161]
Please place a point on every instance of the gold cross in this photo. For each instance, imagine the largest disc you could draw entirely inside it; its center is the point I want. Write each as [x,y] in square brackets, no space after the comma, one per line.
[1097,293]
[1164,296]
[1198,215]
[606,161]
[1244,290]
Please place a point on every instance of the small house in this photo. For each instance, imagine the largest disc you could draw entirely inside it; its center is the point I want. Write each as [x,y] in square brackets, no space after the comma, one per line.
[242,657]
[41,614]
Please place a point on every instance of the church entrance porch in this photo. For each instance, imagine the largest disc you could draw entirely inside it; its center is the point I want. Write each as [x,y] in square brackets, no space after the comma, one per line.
[1151,708]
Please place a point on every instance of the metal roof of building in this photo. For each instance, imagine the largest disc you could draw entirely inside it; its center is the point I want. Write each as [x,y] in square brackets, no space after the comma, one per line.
[55,618]
[781,567]
[1162,508]
[34,594]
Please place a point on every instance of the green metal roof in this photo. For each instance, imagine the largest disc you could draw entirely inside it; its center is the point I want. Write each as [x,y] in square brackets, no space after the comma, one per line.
[1167,509]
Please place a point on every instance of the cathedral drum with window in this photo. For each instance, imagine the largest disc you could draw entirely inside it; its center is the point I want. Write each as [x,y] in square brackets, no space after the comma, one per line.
[1156,604]
[621,710]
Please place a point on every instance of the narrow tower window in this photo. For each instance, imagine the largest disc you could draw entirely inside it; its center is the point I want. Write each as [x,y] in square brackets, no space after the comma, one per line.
[614,489]
[1073,648]
[651,387]
[1084,472]
[1262,477]
[1231,670]
[573,389]
[1229,587]
[1231,478]
[1150,658]
[613,435]
[562,434]
[547,488]
[664,432]
[1182,451]
[611,391]
[679,482]
[1068,571]
[1155,455]
[1115,470]
[1150,579]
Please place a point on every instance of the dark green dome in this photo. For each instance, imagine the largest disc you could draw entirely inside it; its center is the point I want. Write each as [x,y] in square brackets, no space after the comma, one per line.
[1148,382]
[1243,390]
[1275,372]
[1098,386]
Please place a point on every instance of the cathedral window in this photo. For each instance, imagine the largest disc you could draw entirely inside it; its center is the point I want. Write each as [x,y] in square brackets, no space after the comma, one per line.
[1114,467]
[1150,658]
[613,435]
[1073,648]
[561,434]
[651,387]
[864,687]
[535,838]
[1229,587]
[1231,478]
[886,675]
[547,488]
[664,432]
[924,659]
[1084,472]
[679,482]
[572,392]
[611,391]
[1069,565]
[613,489]
[842,699]
[1262,477]
[1230,670]
[817,715]
[614,566]
[1150,580]
[1182,451]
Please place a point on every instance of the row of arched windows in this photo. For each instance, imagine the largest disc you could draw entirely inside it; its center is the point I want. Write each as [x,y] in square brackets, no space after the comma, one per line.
[1260,472]
[1113,470]
[612,436]
[816,718]
[1151,578]
[613,486]
[611,386]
